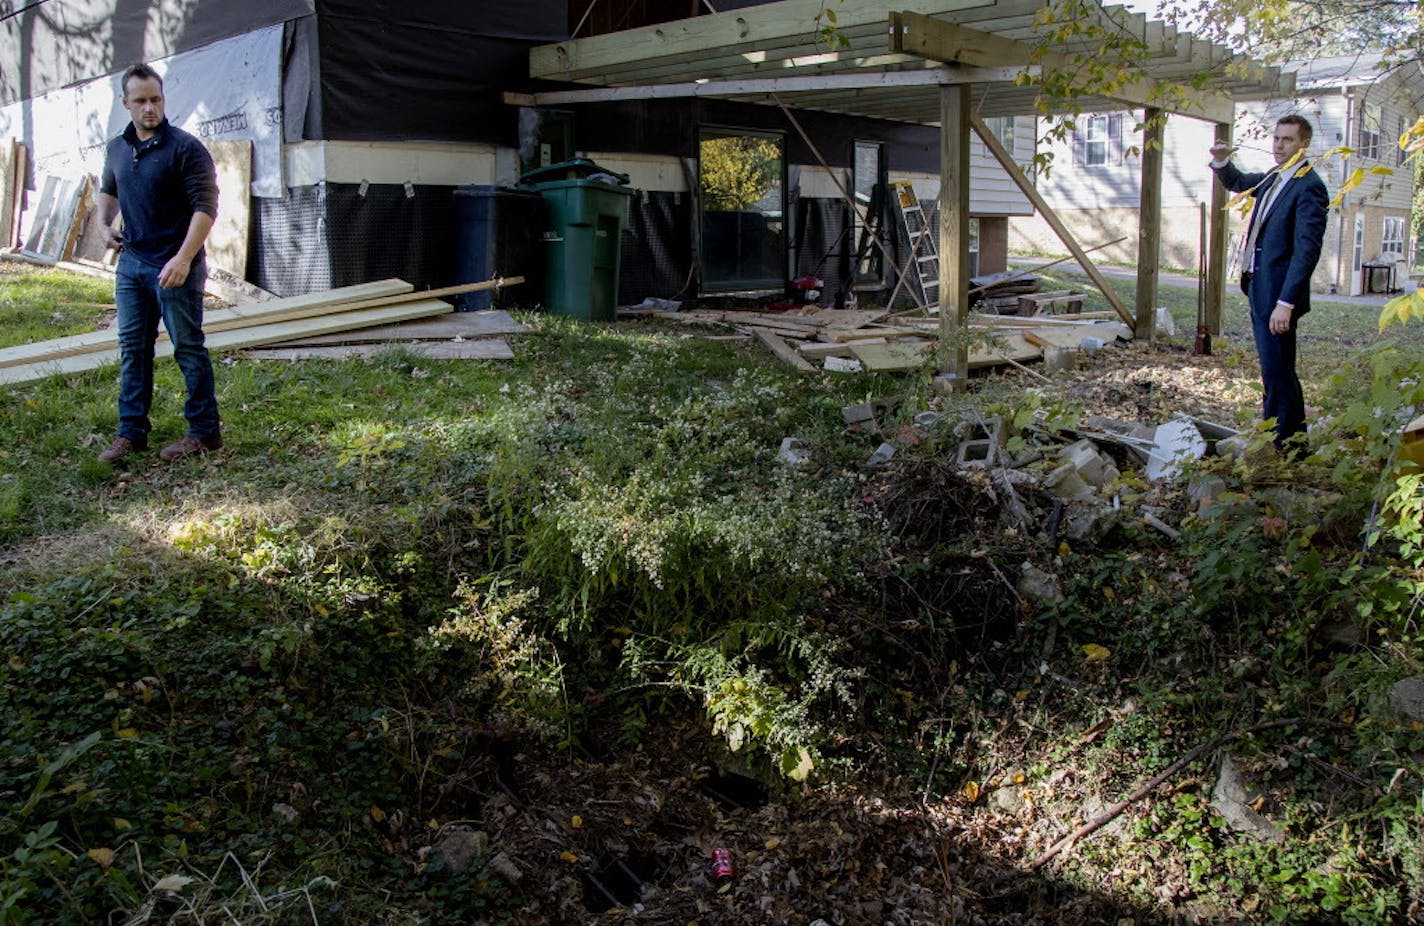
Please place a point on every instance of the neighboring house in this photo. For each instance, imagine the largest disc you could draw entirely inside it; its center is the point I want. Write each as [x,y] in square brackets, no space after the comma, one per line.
[1095,179]
[365,117]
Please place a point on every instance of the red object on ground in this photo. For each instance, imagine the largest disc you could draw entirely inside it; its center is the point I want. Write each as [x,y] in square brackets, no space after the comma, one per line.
[722,866]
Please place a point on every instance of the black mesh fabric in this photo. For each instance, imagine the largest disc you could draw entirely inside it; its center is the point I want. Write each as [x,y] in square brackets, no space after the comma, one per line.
[657,248]
[322,237]
[823,245]
[289,255]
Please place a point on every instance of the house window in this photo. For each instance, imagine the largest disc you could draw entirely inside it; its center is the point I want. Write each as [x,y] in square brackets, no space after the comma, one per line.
[1097,140]
[1097,143]
[1392,244]
[1370,131]
[1003,129]
[973,246]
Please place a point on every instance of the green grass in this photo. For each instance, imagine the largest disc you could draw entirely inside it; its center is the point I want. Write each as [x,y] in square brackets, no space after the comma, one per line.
[295,653]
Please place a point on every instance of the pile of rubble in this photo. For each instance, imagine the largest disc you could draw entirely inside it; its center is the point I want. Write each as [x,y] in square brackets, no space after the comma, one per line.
[1075,473]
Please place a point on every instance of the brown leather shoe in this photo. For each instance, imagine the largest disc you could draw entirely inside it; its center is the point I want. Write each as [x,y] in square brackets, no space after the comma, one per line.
[120,448]
[189,446]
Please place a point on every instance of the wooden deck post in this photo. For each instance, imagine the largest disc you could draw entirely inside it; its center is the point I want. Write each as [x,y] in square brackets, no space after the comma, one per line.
[1149,225]
[1215,296]
[954,233]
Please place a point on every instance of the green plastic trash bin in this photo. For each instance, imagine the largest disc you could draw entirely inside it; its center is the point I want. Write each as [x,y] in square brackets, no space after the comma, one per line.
[584,240]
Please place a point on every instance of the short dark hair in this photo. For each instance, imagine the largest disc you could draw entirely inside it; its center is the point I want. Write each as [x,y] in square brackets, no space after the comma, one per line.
[1297,120]
[141,72]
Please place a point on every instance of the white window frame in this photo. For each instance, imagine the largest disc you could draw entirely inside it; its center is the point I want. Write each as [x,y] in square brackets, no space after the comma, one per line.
[1003,129]
[1096,133]
[1392,239]
[1371,126]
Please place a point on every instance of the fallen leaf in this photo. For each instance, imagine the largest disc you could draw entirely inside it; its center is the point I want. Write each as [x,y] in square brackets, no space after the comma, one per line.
[576,822]
[971,790]
[568,856]
[377,813]
[173,883]
[1096,653]
[101,857]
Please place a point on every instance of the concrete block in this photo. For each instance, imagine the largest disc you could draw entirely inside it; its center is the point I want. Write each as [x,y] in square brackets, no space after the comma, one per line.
[859,417]
[979,453]
[1066,483]
[882,455]
[792,453]
[1095,468]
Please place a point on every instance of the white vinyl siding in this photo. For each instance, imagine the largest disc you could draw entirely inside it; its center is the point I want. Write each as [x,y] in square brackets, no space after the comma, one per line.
[991,190]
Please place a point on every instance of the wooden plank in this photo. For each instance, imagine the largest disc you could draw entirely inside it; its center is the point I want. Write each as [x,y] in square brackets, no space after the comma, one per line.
[751,33]
[1070,337]
[1037,321]
[82,207]
[940,40]
[22,175]
[817,350]
[893,357]
[227,242]
[455,325]
[846,319]
[861,334]
[1007,346]
[11,187]
[93,241]
[782,350]
[235,339]
[996,147]
[230,287]
[1149,225]
[492,349]
[219,320]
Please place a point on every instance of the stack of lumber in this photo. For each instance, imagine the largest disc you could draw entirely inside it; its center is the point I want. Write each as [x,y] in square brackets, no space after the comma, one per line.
[1001,292]
[333,312]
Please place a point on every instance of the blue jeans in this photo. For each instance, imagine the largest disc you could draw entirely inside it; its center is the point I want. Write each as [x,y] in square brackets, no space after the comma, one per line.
[141,303]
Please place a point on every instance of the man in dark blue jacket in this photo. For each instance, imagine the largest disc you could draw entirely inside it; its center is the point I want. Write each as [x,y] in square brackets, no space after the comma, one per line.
[1283,241]
[163,181]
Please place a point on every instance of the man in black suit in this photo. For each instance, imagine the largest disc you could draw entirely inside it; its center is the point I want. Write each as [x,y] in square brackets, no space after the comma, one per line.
[1283,241]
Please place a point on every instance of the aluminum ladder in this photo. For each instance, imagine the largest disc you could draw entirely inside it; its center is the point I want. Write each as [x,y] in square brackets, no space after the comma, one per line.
[924,259]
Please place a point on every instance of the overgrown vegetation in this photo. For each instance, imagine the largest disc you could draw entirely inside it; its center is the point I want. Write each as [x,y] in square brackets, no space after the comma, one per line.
[260,686]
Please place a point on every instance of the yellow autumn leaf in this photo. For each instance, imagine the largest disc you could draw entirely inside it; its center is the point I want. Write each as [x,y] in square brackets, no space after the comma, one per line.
[1357,177]
[101,857]
[971,790]
[127,733]
[568,856]
[1108,593]
[576,821]
[121,824]
[1021,696]
[377,813]
[1381,169]
[1096,653]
